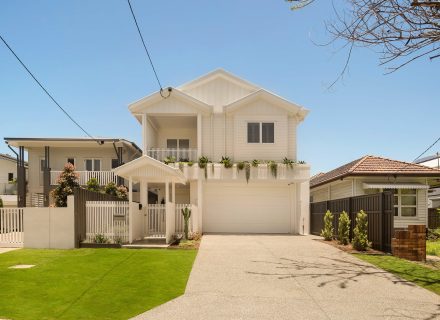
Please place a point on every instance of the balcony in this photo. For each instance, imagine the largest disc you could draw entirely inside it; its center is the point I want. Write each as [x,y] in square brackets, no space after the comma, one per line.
[103,177]
[183,155]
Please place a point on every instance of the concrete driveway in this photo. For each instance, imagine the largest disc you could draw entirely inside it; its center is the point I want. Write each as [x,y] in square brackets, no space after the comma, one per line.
[291,277]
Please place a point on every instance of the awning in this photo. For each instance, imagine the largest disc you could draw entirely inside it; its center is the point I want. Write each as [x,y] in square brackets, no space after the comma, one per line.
[148,169]
[395,186]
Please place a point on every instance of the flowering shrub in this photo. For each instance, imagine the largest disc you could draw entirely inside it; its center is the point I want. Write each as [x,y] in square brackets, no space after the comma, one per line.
[122,192]
[67,181]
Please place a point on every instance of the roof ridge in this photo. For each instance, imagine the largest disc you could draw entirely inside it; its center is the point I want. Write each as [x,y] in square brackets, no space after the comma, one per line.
[357,164]
[406,163]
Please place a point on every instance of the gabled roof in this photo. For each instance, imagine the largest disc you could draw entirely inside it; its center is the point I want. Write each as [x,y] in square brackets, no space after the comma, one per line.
[150,170]
[8,157]
[218,73]
[374,166]
[291,107]
[151,100]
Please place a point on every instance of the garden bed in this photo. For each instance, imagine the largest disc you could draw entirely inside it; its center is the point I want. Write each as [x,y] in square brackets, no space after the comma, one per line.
[349,248]
[99,245]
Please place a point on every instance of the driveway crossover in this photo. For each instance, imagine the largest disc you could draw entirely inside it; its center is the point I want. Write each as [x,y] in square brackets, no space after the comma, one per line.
[291,277]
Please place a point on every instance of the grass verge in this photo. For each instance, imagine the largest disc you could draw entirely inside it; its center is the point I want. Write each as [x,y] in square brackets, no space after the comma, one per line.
[424,276]
[90,283]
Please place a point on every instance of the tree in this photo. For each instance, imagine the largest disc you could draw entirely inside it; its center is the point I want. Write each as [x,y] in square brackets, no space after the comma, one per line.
[360,232]
[344,228]
[67,181]
[327,232]
[401,31]
[186,212]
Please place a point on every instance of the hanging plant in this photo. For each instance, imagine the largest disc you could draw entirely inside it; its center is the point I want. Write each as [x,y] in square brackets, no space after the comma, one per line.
[273,168]
[203,161]
[289,163]
[247,166]
[190,163]
[169,160]
[255,163]
[240,166]
[302,162]
[181,166]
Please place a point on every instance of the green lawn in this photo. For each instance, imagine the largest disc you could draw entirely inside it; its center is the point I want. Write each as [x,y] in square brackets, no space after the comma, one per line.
[433,248]
[90,283]
[425,277]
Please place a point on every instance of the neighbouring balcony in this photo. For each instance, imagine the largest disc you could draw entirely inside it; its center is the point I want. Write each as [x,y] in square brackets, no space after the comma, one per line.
[103,177]
[183,155]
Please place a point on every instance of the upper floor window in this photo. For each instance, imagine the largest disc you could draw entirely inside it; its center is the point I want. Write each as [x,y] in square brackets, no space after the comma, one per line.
[261,132]
[405,203]
[92,164]
[10,176]
[178,143]
[115,163]
[71,161]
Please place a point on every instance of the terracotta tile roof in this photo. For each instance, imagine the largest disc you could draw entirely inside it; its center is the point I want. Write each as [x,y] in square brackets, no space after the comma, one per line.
[372,165]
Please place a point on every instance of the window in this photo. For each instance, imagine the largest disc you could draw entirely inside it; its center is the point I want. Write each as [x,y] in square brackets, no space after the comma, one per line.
[92,164]
[405,203]
[253,132]
[10,176]
[178,143]
[267,132]
[115,163]
[263,132]
[71,161]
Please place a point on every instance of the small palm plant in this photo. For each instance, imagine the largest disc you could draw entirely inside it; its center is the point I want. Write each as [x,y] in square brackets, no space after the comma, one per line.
[186,212]
[327,232]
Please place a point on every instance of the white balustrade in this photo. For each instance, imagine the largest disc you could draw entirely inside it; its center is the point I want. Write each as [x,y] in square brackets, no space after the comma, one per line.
[103,177]
[182,155]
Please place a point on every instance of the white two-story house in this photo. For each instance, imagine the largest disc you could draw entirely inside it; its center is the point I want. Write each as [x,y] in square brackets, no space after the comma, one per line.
[262,188]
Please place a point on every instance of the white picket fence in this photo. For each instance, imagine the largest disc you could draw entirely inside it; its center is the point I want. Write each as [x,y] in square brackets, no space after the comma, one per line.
[108,219]
[155,224]
[11,227]
[180,222]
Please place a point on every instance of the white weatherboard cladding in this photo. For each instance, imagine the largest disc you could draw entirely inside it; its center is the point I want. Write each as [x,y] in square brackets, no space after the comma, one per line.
[6,167]
[172,105]
[218,92]
[253,208]
[263,151]
[341,190]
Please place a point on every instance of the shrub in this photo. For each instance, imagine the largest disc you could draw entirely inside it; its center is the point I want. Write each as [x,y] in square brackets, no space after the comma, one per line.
[186,212]
[327,232]
[190,163]
[195,236]
[111,189]
[344,228]
[360,232]
[255,163]
[203,161]
[1,202]
[169,160]
[434,234]
[93,185]
[122,192]
[100,238]
[67,181]
[227,162]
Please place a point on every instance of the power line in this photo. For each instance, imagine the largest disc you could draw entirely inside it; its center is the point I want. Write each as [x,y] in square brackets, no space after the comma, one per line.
[44,89]
[146,50]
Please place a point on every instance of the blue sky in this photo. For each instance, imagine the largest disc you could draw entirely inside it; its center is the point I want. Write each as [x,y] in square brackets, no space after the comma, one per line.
[88,54]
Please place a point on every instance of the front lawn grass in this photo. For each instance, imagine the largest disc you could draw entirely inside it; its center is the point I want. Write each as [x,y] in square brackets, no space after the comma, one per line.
[90,283]
[425,277]
[433,248]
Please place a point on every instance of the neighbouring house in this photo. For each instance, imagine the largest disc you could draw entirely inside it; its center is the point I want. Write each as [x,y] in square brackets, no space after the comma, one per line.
[221,115]
[434,191]
[92,158]
[8,179]
[371,174]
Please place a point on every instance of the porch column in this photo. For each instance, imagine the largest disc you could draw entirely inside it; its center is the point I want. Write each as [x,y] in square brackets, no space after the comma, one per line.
[199,136]
[130,210]
[46,176]
[173,189]
[144,134]
[21,179]
[167,192]
[130,189]
[144,194]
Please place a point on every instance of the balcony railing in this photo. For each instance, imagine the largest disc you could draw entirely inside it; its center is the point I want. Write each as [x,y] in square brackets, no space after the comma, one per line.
[103,177]
[178,154]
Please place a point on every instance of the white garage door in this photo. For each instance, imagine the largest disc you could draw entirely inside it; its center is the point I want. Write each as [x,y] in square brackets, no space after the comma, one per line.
[242,208]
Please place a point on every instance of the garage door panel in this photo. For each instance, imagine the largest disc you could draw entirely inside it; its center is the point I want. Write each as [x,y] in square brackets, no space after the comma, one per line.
[246,208]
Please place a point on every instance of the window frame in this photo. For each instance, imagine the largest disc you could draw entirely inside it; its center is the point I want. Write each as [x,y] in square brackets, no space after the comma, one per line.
[260,131]
[74,161]
[10,174]
[93,164]
[398,194]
